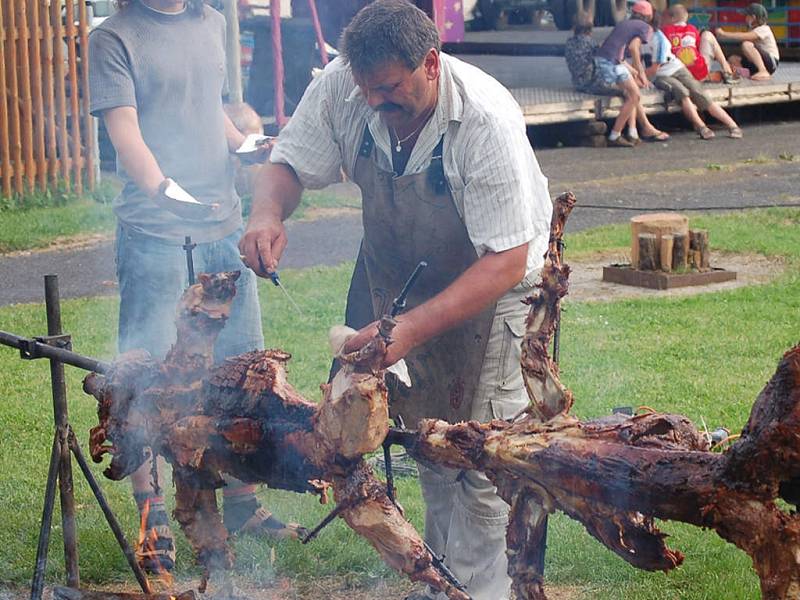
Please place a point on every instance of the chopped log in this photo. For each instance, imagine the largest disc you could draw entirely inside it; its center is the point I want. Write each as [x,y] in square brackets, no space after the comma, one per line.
[659,224]
[680,244]
[699,249]
[66,593]
[649,252]
[667,243]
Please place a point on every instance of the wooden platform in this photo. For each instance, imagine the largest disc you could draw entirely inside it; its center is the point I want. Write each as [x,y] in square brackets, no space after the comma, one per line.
[658,280]
[543,89]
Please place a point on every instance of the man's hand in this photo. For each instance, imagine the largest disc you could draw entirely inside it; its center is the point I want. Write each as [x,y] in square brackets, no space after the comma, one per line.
[172,197]
[263,243]
[402,341]
[276,194]
[255,149]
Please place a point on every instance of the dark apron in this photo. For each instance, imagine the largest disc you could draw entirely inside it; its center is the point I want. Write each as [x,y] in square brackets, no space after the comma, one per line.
[408,219]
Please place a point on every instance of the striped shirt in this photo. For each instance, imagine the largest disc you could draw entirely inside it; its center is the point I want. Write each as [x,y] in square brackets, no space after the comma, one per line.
[497,185]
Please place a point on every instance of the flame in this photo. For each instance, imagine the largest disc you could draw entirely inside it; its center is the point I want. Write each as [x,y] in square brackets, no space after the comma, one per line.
[147,544]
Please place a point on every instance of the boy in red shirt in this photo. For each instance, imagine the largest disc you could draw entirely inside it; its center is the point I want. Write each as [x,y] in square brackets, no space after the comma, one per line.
[698,51]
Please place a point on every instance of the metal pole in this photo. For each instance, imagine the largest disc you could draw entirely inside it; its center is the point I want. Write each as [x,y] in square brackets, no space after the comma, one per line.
[189,247]
[31,349]
[59,387]
[37,585]
[277,62]
[233,52]
[112,520]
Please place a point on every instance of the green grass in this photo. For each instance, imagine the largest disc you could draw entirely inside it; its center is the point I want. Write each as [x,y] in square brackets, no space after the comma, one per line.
[703,356]
[38,224]
[39,227]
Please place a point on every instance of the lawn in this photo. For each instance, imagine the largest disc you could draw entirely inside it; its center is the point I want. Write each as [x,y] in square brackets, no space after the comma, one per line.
[704,356]
[74,218]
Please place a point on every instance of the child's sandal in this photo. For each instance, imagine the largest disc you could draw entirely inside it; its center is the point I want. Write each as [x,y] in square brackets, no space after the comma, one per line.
[735,133]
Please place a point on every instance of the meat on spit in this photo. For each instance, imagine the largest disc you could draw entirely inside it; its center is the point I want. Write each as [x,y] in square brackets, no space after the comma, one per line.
[615,474]
[244,418]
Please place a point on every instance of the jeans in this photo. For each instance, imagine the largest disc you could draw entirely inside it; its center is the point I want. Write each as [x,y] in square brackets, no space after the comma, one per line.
[152,276]
[609,73]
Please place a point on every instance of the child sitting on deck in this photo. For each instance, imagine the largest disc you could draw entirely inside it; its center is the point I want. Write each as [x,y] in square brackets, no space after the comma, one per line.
[700,52]
[671,75]
[759,47]
[579,53]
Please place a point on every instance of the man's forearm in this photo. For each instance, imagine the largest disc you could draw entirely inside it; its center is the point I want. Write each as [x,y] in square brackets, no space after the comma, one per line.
[277,192]
[479,286]
[132,152]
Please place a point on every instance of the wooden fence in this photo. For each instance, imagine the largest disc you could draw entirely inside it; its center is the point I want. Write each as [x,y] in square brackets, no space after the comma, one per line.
[46,133]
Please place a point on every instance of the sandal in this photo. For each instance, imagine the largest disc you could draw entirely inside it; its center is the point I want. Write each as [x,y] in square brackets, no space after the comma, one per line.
[735,133]
[706,133]
[263,522]
[661,136]
[155,551]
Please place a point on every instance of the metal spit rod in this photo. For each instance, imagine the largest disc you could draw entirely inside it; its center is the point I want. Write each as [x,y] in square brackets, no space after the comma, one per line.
[39,347]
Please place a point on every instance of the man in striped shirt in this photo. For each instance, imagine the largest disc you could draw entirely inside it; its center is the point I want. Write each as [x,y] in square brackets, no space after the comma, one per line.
[447,175]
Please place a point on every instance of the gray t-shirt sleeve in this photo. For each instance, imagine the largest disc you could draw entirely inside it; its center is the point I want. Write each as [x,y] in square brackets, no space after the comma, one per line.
[110,77]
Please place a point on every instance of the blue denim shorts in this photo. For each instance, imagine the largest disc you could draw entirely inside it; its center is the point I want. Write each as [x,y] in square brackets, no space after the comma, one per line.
[152,276]
[610,73]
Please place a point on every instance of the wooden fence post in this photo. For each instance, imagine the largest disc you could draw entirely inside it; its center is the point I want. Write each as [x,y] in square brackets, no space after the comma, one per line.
[5,147]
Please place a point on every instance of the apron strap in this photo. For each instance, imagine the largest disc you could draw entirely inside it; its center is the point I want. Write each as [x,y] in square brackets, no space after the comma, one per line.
[367,142]
[436,170]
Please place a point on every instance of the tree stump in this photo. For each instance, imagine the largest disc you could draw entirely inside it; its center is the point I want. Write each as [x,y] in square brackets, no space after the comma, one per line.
[658,224]
[667,244]
[699,249]
[680,243]
[649,252]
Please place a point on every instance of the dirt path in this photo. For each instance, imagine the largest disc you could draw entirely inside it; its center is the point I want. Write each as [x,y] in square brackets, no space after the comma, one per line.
[586,280]
[283,588]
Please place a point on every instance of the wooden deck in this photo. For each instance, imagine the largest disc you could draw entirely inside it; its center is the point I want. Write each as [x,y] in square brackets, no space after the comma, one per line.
[542,87]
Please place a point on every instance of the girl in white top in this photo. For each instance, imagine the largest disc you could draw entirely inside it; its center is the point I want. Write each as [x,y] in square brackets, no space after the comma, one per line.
[759,47]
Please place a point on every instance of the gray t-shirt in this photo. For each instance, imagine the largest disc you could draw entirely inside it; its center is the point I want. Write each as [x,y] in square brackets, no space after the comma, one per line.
[616,43]
[171,68]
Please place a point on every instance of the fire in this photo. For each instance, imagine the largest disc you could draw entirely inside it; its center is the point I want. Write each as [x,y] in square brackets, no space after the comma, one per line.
[146,545]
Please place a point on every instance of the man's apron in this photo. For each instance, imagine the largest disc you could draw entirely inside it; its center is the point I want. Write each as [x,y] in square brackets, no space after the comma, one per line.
[408,219]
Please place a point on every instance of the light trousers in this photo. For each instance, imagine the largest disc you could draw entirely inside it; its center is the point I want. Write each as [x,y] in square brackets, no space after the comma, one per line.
[465,519]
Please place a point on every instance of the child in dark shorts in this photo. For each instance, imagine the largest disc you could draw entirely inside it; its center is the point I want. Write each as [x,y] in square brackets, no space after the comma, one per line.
[759,48]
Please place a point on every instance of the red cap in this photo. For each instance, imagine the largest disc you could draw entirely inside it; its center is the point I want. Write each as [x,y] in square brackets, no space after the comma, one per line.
[643,7]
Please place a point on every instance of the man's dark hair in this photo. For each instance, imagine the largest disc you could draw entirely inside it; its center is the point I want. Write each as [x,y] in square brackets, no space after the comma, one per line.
[388,31]
[194,7]
[583,26]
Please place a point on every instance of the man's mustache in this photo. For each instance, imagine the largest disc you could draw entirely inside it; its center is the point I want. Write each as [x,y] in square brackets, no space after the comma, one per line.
[388,107]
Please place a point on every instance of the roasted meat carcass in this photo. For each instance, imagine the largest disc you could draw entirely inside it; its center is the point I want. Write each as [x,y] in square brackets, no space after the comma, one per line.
[243,418]
[616,475]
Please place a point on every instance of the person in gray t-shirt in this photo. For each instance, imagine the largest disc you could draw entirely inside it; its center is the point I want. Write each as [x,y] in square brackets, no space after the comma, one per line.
[157,75]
